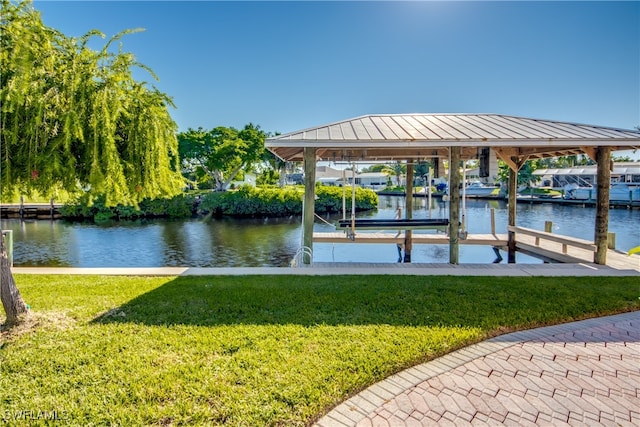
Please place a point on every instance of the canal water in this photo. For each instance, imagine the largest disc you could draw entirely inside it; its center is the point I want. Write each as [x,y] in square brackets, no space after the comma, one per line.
[274,241]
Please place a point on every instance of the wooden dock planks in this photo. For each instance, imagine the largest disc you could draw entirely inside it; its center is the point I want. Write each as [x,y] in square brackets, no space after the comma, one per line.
[548,250]
[553,251]
[30,211]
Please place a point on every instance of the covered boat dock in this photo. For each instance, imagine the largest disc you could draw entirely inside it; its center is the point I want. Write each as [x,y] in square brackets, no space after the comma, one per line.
[422,137]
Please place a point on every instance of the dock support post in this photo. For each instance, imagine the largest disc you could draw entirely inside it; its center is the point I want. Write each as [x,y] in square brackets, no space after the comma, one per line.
[408,244]
[429,191]
[454,205]
[603,155]
[309,202]
[344,194]
[515,161]
[548,226]
[513,188]
[493,221]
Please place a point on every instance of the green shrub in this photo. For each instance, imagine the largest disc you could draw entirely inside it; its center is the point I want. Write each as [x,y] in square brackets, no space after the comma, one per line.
[84,207]
[153,207]
[124,212]
[246,201]
[181,206]
[274,202]
[330,199]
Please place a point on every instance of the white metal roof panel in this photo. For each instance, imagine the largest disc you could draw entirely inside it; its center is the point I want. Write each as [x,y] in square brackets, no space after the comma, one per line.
[618,169]
[413,135]
[523,130]
[371,129]
[443,123]
[428,132]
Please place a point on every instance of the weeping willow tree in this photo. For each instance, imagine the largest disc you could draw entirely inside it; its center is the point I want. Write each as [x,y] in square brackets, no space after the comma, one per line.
[74,118]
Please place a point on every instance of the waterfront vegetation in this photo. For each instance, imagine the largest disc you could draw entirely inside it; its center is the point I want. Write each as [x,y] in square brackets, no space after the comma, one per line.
[257,350]
[277,202]
[244,202]
[86,208]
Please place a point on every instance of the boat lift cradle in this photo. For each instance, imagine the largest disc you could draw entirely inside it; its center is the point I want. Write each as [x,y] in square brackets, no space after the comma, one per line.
[350,225]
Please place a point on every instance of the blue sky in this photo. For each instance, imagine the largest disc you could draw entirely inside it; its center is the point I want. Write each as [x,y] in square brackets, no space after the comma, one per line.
[292,65]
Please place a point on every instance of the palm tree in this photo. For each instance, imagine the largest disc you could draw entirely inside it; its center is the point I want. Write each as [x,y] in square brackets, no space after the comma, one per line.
[396,169]
[525,174]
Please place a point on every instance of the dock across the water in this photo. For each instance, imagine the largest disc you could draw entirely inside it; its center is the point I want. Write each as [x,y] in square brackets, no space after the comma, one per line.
[30,211]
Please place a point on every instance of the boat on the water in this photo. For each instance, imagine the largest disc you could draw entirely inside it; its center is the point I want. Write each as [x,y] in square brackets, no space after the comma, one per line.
[618,192]
[480,190]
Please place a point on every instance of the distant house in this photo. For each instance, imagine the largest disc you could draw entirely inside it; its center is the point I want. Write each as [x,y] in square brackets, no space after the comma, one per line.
[373,180]
[585,176]
[327,175]
[324,174]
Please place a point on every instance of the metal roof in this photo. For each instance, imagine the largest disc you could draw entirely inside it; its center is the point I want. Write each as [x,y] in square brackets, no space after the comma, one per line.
[618,169]
[419,136]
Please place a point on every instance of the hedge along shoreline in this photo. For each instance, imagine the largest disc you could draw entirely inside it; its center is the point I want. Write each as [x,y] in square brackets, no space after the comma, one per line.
[245,202]
[274,202]
[180,206]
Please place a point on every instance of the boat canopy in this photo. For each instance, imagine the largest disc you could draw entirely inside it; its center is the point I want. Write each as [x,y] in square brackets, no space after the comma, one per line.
[383,137]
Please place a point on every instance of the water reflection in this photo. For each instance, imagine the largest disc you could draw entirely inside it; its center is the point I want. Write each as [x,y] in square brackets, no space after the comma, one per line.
[273,242]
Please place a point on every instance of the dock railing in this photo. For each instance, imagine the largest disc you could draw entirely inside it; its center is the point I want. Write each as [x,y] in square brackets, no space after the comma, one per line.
[565,241]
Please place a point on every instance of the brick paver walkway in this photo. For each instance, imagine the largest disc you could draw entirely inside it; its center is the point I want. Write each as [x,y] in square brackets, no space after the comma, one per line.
[581,374]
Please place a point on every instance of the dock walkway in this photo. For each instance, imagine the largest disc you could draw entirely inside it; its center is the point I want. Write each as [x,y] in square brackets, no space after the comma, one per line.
[553,252]
[343,269]
[554,248]
[30,210]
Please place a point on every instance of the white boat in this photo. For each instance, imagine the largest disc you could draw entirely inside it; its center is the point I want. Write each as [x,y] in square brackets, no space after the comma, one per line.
[478,189]
[618,192]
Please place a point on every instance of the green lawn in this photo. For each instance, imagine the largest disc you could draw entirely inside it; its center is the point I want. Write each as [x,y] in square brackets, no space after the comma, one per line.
[256,350]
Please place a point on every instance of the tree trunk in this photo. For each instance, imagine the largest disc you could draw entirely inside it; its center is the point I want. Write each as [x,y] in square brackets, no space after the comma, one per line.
[217,180]
[13,304]
[232,175]
[283,175]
